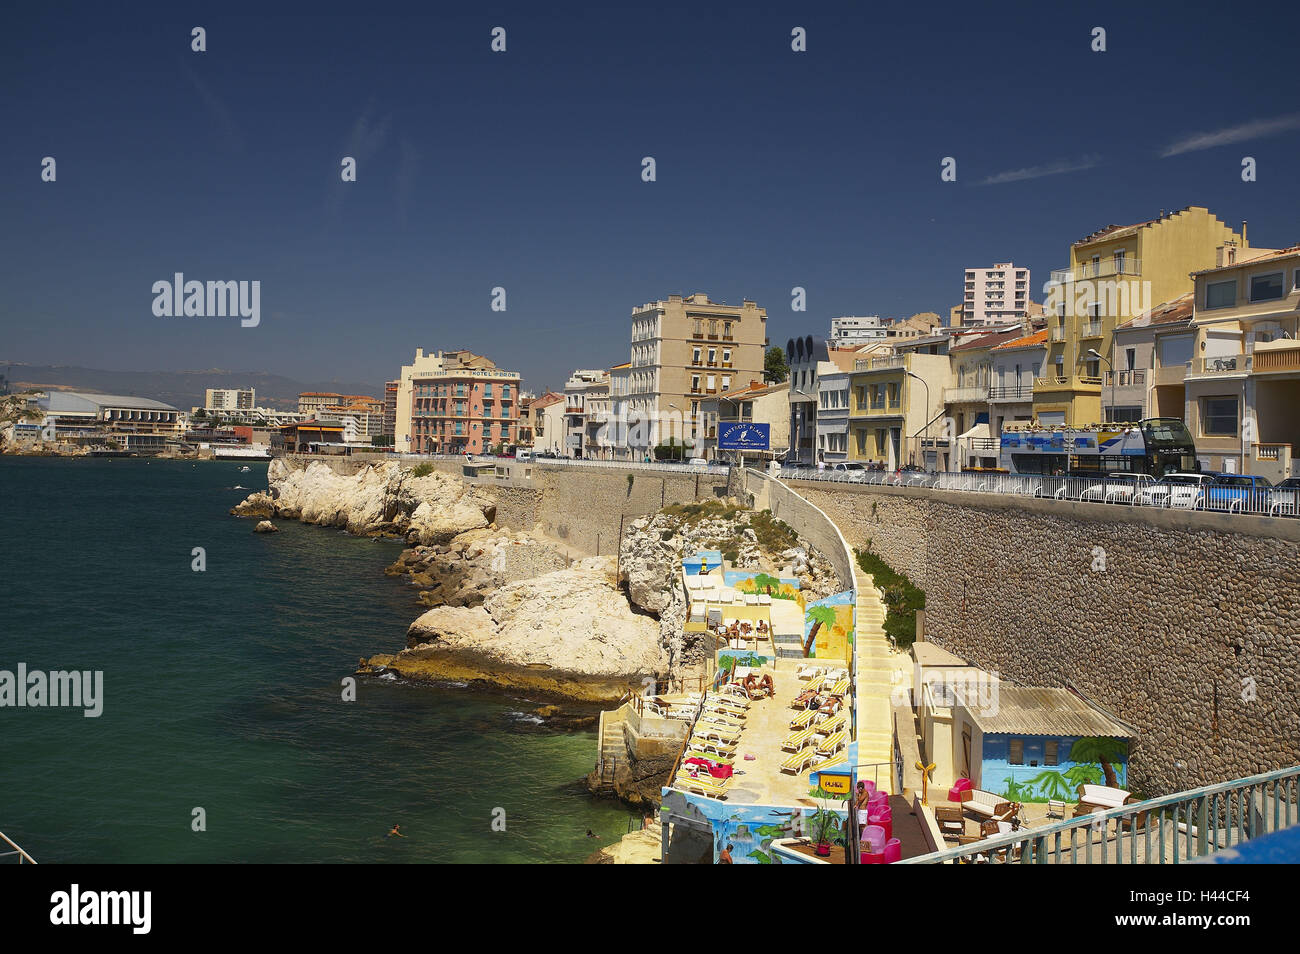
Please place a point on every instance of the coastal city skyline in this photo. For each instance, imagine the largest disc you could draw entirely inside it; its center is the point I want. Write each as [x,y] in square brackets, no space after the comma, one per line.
[768,195]
[665,435]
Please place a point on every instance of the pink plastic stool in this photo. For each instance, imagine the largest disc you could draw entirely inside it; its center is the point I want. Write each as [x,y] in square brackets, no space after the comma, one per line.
[884,818]
[893,851]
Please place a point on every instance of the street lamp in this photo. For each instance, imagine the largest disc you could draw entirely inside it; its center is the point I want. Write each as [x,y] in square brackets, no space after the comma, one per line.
[926,428]
[1110,367]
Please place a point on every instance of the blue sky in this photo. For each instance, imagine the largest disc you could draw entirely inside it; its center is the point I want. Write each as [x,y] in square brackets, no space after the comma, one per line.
[522,169]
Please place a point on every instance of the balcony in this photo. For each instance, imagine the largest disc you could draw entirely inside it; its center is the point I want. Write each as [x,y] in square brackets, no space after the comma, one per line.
[1124,379]
[1091,329]
[1014,392]
[1058,333]
[1270,359]
[1084,383]
[966,394]
[892,362]
[1229,365]
[1088,270]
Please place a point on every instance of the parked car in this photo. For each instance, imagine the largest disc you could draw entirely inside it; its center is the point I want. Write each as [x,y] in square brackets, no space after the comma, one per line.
[1181,491]
[699,462]
[523,454]
[1118,488]
[848,470]
[1284,497]
[1246,493]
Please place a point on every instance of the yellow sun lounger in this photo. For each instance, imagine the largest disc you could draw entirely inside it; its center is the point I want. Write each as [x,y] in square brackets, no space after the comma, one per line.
[799,761]
[703,786]
[833,724]
[803,719]
[838,759]
[711,756]
[724,749]
[797,740]
[725,733]
[815,683]
[840,688]
[725,711]
[831,744]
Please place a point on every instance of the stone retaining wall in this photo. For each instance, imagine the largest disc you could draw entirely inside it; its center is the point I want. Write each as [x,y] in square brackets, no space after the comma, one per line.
[1183,624]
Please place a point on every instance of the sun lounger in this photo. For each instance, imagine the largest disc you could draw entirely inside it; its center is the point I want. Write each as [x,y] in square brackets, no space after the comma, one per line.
[751,599]
[711,756]
[840,688]
[729,733]
[831,744]
[833,724]
[764,599]
[803,719]
[725,749]
[709,787]
[797,740]
[799,761]
[838,759]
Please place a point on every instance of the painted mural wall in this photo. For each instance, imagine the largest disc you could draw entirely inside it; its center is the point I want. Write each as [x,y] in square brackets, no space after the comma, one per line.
[751,829]
[828,626]
[1081,761]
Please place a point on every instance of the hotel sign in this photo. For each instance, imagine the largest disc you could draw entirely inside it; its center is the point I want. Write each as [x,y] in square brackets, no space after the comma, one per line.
[741,435]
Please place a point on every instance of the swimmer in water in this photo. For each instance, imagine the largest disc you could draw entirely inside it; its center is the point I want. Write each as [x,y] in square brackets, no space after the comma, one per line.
[396,832]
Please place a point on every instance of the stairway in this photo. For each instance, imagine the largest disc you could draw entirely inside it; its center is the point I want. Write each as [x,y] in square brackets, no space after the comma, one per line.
[613,750]
[874,686]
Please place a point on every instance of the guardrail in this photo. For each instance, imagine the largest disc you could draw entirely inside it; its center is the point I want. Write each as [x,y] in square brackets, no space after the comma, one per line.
[1172,829]
[22,857]
[1125,491]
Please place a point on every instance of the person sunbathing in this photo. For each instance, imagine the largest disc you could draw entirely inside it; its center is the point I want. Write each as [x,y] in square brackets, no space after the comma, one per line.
[831,706]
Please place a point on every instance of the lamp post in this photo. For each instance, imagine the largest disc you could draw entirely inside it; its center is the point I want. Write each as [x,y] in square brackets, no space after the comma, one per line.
[1101,357]
[926,428]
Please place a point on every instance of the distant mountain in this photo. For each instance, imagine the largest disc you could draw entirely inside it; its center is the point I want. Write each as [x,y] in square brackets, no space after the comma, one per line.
[182,389]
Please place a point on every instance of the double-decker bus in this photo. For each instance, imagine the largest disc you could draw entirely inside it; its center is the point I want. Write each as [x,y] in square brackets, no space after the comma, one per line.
[1155,446]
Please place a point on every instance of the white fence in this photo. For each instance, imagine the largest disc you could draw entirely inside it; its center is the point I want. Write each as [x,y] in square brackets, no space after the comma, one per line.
[1204,494]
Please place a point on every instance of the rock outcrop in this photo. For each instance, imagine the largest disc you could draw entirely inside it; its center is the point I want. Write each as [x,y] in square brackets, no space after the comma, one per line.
[382,498]
[266,526]
[473,565]
[569,633]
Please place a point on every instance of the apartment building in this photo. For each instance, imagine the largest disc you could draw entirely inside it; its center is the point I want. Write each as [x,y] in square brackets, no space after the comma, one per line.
[586,409]
[833,416]
[684,350]
[893,403]
[966,398]
[547,413]
[810,357]
[1016,363]
[456,402]
[229,399]
[1114,275]
[1149,362]
[1243,380]
[390,408]
[849,331]
[995,294]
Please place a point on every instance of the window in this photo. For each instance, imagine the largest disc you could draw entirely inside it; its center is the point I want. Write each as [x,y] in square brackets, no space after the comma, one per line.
[1130,358]
[726,330]
[1266,287]
[695,356]
[1296,281]
[713,355]
[726,356]
[1219,416]
[1016,755]
[1051,752]
[711,382]
[726,382]
[695,382]
[1221,294]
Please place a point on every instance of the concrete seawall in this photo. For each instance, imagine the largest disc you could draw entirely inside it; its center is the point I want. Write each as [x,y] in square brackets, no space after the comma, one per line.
[1184,624]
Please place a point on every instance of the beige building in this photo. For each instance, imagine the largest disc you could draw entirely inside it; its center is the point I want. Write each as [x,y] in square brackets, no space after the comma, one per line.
[1149,363]
[1114,275]
[685,351]
[1243,381]
[893,403]
[456,402]
[754,403]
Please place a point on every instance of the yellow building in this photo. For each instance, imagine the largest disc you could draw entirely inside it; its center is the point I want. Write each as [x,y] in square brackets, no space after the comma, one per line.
[1114,275]
[1243,382]
[893,400]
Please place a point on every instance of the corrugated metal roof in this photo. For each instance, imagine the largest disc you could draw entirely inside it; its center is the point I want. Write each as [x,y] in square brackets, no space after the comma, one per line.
[1039,710]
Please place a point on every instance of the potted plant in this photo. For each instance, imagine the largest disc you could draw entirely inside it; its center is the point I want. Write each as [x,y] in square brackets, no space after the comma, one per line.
[824,825]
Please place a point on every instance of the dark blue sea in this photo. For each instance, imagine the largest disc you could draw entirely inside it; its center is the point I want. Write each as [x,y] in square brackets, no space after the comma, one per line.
[222,691]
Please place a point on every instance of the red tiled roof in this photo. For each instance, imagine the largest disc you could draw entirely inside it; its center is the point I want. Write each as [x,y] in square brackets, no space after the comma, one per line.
[1025,341]
[1271,255]
[987,341]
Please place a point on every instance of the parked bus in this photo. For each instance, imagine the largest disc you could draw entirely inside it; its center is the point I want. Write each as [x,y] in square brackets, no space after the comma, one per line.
[1155,446]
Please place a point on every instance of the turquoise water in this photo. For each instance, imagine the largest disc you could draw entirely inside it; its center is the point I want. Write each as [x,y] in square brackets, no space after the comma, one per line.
[222,691]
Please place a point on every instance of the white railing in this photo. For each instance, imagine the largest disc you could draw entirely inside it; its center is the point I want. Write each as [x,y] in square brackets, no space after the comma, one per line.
[1126,491]
[14,851]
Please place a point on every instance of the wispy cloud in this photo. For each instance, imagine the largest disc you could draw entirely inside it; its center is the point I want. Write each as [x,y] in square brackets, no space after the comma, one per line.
[1048,169]
[1255,129]
[221,115]
[365,141]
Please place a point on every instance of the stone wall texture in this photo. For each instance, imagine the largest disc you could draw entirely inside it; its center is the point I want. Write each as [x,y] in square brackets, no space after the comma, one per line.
[1183,624]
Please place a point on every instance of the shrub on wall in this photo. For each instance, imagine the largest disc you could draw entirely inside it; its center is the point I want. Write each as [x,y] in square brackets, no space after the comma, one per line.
[902,598]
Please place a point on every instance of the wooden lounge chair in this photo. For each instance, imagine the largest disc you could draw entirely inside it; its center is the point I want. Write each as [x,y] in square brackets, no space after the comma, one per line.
[952,821]
[797,740]
[799,761]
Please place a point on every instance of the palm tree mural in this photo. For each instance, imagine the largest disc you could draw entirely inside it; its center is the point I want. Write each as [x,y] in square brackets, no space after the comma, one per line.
[1094,748]
[1052,784]
[1083,774]
[821,616]
[766,583]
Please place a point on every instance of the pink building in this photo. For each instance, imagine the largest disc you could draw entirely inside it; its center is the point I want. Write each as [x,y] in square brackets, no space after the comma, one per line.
[995,294]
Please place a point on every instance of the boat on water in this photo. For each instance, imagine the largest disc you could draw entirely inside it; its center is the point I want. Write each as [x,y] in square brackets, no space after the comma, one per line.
[245,469]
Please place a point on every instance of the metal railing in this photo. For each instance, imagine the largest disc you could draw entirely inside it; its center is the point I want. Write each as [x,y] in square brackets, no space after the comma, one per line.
[1171,829]
[1135,490]
[15,852]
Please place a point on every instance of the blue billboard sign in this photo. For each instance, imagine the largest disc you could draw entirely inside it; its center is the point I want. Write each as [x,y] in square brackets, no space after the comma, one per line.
[740,435]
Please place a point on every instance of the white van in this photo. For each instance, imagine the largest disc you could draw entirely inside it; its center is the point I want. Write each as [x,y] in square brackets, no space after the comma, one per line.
[524,454]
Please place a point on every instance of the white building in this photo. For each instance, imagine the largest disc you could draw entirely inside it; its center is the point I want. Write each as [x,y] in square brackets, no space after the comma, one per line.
[229,399]
[833,416]
[850,331]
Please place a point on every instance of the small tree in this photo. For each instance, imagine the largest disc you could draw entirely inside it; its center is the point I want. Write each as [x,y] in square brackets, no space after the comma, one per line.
[775,367]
